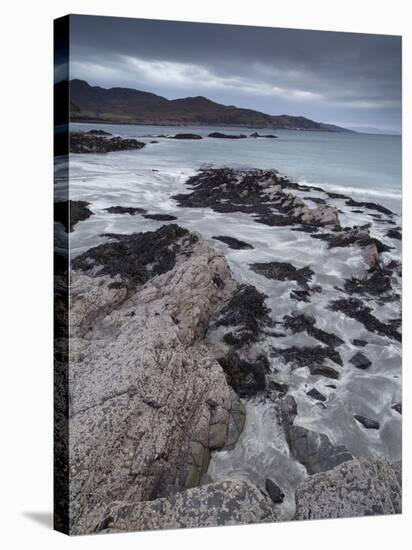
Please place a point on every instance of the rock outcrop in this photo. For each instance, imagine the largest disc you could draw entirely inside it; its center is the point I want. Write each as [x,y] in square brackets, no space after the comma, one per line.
[68,213]
[225,503]
[148,401]
[82,142]
[356,488]
[260,192]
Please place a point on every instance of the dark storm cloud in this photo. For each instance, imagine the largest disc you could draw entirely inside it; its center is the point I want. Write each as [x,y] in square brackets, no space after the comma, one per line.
[343,78]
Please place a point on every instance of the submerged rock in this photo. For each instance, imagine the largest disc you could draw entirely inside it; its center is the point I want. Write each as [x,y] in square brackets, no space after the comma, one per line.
[359,343]
[75,211]
[283,271]
[160,217]
[224,503]
[247,378]
[98,133]
[186,136]
[226,136]
[360,361]
[315,394]
[236,244]
[256,135]
[125,210]
[356,309]
[312,449]
[367,422]
[355,488]
[89,143]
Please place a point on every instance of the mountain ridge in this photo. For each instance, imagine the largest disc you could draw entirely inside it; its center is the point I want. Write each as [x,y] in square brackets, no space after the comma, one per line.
[129,106]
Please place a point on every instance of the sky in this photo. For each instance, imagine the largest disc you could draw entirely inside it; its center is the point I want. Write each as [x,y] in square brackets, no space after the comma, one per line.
[352,80]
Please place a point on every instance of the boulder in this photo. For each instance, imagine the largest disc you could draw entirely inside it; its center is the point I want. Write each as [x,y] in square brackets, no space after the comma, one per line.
[360,361]
[355,488]
[186,136]
[315,394]
[367,422]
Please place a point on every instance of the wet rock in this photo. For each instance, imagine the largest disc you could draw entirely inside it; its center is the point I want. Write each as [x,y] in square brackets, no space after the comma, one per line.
[186,136]
[278,386]
[394,233]
[154,141]
[77,210]
[324,370]
[274,491]
[311,357]
[236,244]
[397,407]
[367,422]
[224,503]
[283,271]
[160,217]
[98,133]
[316,200]
[359,236]
[355,488]
[246,314]
[237,417]
[315,394]
[359,343]
[125,210]
[312,449]
[226,136]
[262,193]
[302,322]
[360,361]
[246,378]
[87,143]
[256,135]
[369,205]
[376,282]
[300,295]
[356,309]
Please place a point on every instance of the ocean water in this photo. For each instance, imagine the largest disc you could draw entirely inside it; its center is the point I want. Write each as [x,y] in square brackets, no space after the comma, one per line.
[366,167]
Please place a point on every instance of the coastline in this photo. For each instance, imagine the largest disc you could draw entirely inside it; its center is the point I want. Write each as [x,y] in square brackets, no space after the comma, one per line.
[363,256]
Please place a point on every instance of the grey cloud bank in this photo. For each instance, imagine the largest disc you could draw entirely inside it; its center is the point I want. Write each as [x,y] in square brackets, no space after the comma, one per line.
[352,80]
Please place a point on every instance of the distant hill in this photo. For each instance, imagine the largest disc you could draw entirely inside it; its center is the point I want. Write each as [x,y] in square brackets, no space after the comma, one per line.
[125,105]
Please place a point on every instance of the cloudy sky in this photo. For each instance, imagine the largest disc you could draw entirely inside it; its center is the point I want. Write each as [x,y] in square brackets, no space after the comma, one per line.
[353,80]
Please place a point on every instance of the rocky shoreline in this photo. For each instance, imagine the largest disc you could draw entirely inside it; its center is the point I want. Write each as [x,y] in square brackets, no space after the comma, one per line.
[203,351]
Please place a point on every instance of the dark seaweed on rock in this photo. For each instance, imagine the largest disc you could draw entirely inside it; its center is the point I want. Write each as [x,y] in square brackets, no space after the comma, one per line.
[258,192]
[394,233]
[356,309]
[236,244]
[160,217]
[247,313]
[283,271]
[369,205]
[125,210]
[77,210]
[311,357]
[80,142]
[137,257]
[299,323]
[247,378]
[376,283]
